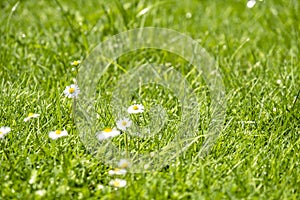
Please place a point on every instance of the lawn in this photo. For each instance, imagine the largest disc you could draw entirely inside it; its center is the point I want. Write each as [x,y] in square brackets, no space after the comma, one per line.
[253,154]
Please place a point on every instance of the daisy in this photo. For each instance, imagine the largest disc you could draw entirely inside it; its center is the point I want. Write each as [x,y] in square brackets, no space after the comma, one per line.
[117,171]
[108,133]
[100,187]
[57,134]
[75,63]
[279,82]
[123,163]
[251,3]
[122,124]
[3,131]
[41,192]
[31,115]
[118,183]
[135,108]
[72,91]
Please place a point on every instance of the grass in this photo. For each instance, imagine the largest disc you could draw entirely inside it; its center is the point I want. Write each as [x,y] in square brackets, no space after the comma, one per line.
[257,153]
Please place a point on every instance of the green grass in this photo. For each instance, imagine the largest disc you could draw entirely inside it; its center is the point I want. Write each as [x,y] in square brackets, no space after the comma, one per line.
[254,48]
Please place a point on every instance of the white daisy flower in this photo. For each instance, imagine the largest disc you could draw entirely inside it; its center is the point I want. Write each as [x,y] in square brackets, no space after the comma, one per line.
[31,115]
[279,82]
[41,192]
[146,166]
[118,183]
[117,171]
[251,3]
[72,91]
[100,187]
[188,15]
[108,133]
[57,134]
[3,131]
[122,124]
[123,163]
[75,63]
[135,108]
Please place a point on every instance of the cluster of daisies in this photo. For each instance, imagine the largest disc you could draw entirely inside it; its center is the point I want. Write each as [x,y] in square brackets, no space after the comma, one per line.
[121,170]
[108,133]
[72,91]
[5,130]
[121,124]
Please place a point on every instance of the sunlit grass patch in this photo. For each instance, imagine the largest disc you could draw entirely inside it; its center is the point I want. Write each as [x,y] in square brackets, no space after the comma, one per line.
[43,46]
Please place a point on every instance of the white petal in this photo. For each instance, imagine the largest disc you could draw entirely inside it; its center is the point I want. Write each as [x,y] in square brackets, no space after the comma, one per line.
[111,172]
[63,133]
[101,136]
[53,135]
[123,163]
[114,133]
[117,172]
[251,3]
[118,183]
[100,187]
[5,130]
[36,115]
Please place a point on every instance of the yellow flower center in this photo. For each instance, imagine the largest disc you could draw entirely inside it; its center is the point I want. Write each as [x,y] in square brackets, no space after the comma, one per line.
[72,90]
[124,123]
[76,63]
[135,107]
[1,133]
[124,165]
[117,183]
[107,130]
[30,114]
[58,132]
